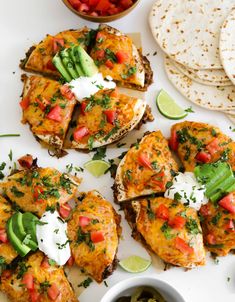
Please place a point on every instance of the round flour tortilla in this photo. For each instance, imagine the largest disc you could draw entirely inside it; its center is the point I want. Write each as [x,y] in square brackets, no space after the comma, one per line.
[188,30]
[209,97]
[210,77]
[227,45]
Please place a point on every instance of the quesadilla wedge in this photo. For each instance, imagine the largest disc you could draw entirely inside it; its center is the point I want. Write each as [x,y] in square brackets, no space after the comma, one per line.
[145,169]
[105,118]
[116,55]
[7,252]
[37,189]
[218,225]
[201,143]
[168,228]
[94,230]
[47,108]
[39,57]
[48,283]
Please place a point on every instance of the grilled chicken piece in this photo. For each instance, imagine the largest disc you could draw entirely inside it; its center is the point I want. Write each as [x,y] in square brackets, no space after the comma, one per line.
[169,229]
[94,229]
[37,189]
[39,58]
[106,117]
[7,252]
[33,281]
[201,143]
[145,169]
[117,56]
[47,108]
[218,226]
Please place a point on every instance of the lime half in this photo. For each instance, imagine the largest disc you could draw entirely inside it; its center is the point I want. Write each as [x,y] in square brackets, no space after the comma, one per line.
[168,107]
[135,264]
[97,167]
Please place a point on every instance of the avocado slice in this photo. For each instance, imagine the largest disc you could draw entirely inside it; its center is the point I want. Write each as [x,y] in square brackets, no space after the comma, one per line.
[18,228]
[29,224]
[86,62]
[21,248]
[74,56]
[59,65]
[68,63]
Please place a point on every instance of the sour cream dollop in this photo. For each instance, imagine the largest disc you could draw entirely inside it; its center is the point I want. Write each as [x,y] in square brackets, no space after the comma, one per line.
[84,87]
[52,237]
[186,189]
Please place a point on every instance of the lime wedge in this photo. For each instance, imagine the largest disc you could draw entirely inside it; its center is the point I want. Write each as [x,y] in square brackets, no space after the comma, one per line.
[168,107]
[97,167]
[135,264]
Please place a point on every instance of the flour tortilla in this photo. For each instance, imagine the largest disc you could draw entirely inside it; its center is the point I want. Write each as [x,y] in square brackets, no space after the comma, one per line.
[210,77]
[227,45]
[188,30]
[209,97]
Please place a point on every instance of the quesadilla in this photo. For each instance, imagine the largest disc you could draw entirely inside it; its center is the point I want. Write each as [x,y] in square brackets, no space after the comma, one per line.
[94,231]
[168,228]
[47,107]
[146,168]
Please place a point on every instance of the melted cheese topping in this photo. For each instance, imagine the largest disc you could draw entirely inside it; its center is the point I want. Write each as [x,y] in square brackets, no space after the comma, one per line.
[186,189]
[52,237]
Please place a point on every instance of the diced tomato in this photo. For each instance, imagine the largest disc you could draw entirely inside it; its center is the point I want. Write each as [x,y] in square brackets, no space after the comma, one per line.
[213,146]
[97,236]
[84,221]
[83,107]
[229,227]
[55,114]
[122,57]
[178,222]
[228,203]
[103,5]
[24,104]
[203,157]
[53,292]
[109,64]
[126,3]
[93,2]
[162,212]
[211,239]
[111,115]
[100,36]
[75,3]
[42,103]
[57,44]
[183,246]
[34,295]
[114,93]
[45,264]
[3,236]
[50,65]
[65,210]
[6,274]
[37,192]
[83,7]
[94,14]
[100,54]
[80,133]
[28,281]
[70,262]
[66,92]
[26,161]
[204,210]
[144,161]
[173,142]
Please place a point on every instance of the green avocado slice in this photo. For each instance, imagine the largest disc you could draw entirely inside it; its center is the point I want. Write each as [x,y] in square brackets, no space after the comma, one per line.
[29,223]
[21,248]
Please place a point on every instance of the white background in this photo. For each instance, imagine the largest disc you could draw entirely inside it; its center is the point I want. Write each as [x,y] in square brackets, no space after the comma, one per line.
[25,22]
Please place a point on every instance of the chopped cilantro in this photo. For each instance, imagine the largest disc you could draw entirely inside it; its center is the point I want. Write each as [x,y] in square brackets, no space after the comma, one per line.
[85,283]
[192,226]
[16,192]
[100,153]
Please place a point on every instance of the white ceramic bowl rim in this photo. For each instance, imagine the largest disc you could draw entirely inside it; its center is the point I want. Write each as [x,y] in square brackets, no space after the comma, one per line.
[123,288]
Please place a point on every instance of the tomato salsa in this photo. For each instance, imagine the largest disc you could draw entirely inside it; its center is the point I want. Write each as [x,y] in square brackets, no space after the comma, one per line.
[101,7]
